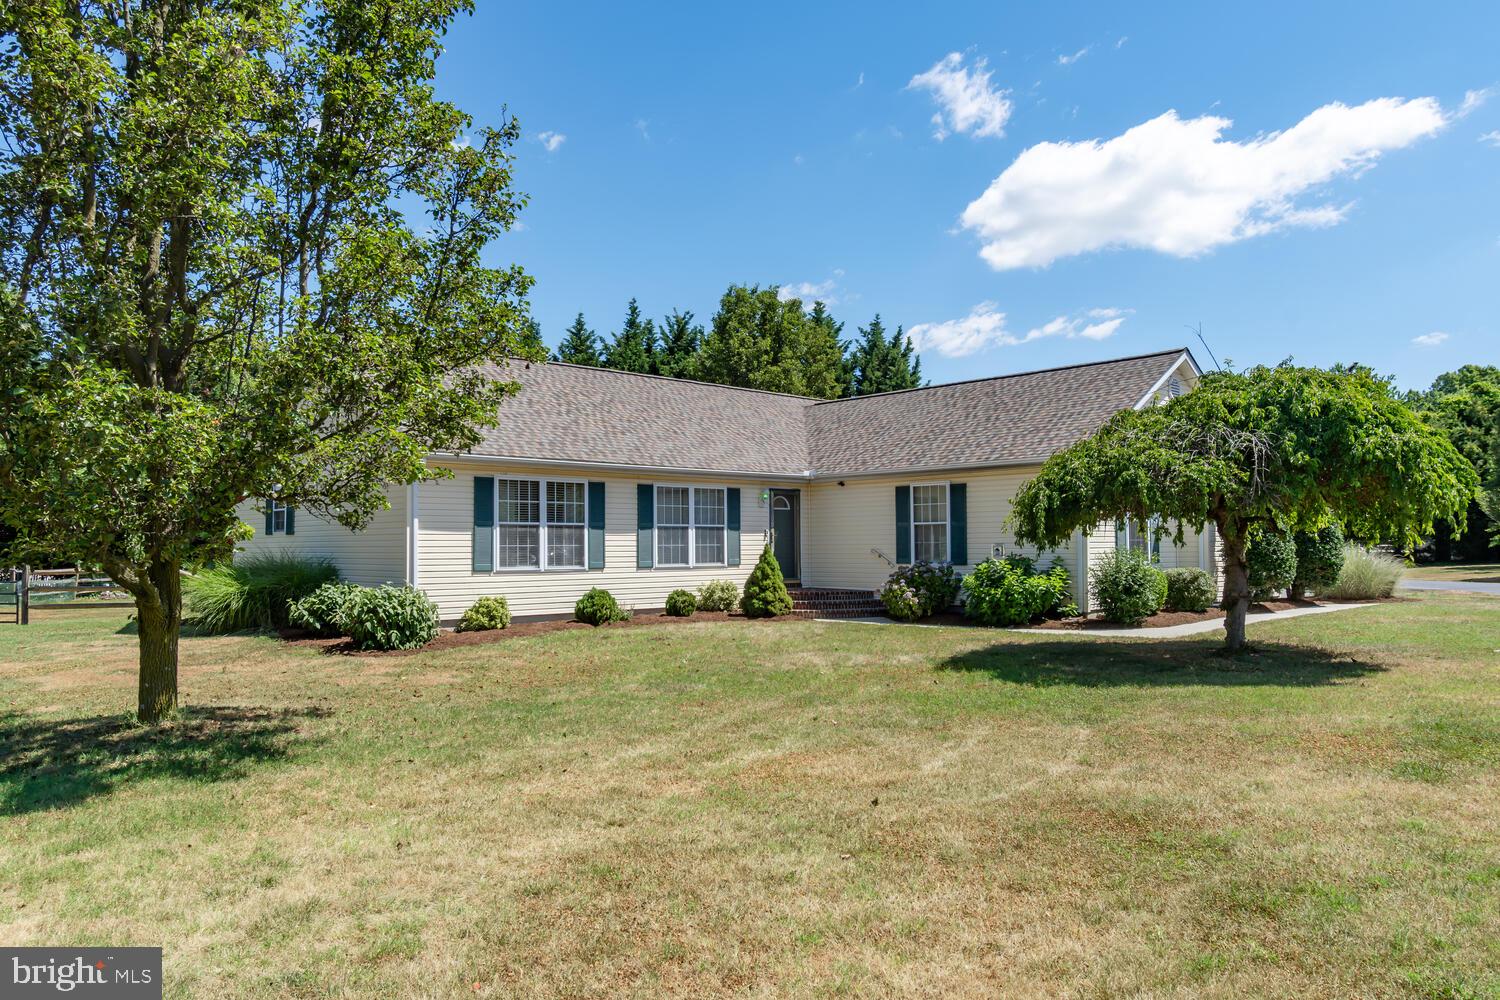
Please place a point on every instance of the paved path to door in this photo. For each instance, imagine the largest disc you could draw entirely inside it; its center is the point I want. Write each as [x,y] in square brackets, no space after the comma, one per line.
[1467,586]
[1161,632]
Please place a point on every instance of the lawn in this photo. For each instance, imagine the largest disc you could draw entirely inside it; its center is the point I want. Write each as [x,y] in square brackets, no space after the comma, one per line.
[773,809]
[1457,572]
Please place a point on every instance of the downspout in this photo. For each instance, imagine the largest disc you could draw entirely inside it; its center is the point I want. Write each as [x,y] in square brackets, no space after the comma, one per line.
[413,527]
[1081,587]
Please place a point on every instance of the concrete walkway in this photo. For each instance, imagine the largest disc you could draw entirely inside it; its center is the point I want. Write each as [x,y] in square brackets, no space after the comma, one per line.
[1161,632]
[1467,586]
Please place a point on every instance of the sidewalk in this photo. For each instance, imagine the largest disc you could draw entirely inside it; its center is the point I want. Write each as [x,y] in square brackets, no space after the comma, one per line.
[1161,632]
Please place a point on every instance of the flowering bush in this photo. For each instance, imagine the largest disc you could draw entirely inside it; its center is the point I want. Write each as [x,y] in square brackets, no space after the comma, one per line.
[900,600]
[1011,591]
[929,587]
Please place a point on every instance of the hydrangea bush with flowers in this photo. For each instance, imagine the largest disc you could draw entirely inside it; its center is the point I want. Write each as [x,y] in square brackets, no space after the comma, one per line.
[919,590]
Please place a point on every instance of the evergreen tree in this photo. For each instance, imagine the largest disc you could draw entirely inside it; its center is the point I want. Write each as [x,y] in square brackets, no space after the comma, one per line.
[765,594]
[681,339]
[530,335]
[759,341]
[580,345]
[881,364]
[634,347]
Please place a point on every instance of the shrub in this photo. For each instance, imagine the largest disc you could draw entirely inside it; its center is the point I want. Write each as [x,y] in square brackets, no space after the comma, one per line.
[390,618]
[1011,592]
[901,599]
[1189,589]
[1128,588]
[681,603]
[1365,575]
[765,591]
[598,607]
[1320,557]
[253,591]
[718,595]
[486,615]
[926,587]
[1271,558]
[322,611]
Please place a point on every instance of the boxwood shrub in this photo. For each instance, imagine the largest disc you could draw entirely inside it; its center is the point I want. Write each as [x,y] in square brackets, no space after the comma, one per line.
[1189,589]
[599,607]
[1010,592]
[681,603]
[390,618]
[486,615]
[1127,587]
[1320,557]
[1271,560]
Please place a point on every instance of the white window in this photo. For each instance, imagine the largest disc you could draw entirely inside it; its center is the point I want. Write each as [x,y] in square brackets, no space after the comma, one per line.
[278,517]
[929,523]
[540,524]
[690,523]
[1129,534]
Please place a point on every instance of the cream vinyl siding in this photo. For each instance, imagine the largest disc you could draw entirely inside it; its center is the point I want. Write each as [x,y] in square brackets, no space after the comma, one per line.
[445,525]
[371,557]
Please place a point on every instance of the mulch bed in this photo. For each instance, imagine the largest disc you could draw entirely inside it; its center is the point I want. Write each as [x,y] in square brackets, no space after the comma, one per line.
[448,639]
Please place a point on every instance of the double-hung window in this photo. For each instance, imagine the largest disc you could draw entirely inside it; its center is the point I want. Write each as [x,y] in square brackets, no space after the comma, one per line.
[540,524]
[690,523]
[1129,534]
[929,522]
[278,517]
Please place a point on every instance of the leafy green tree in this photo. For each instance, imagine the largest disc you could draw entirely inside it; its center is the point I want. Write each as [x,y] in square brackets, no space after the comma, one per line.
[240,256]
[878,363]
[1280,449]
[759,341]
[634,347]
[1465,404]
[580,345]
[681,339]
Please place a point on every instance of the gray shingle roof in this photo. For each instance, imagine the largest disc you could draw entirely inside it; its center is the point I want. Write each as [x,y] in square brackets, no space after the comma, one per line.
[572,413]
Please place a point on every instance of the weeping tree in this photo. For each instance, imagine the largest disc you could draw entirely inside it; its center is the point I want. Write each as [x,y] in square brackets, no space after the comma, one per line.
[1279,449]
[241,251]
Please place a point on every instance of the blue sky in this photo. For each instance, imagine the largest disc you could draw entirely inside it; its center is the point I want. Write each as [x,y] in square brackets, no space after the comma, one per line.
[1060,217]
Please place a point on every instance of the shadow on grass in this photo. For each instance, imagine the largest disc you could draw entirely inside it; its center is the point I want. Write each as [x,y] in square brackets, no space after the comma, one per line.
[48,764]
[1098,663]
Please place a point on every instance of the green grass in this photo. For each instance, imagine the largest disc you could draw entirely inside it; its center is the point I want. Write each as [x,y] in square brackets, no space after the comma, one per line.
[752,808]
[1456,572]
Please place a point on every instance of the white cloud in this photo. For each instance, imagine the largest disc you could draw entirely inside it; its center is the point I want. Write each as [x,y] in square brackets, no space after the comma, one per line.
[551,140]
[1066,60]
[1493,138]
[826,292]
[641,126]
[1121,43]
[1432,339]
[985,327]
[861,81]
[967,101]
[1472,101]
[1178,187]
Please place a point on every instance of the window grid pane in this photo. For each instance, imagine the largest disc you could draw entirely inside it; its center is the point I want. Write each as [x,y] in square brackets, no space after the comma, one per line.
[708,546]
[565,503]
[672,505]
[708,508]
[932,543]
[929,504]
[564,547]
[520,501]
[518,546]
[672,546]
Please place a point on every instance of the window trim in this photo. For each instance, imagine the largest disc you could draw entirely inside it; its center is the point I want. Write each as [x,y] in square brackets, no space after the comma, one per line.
[947,523]
[273,508]
[692,526]
[1130,530]
[541,526]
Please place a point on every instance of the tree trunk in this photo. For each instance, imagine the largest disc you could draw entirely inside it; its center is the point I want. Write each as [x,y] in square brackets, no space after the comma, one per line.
[1236,603]
[158,624]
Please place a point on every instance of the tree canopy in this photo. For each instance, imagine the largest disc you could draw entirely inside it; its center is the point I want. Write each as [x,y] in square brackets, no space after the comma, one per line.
[881,363]
[1465,405]
[758,340]
[580,345]
[1278,449]
[633,348]
[240,246]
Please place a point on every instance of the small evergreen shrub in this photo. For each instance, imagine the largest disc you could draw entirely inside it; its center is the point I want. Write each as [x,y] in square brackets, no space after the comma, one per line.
[486,615]
[252,591]
[322,611]
[1189,589]
[718,595]
[929,587]
[681,603]
[599,607]
[765,591]
[1010,592]
[1365,575]
[1271,559]
[1128,588]
[1320,557]
[390,618]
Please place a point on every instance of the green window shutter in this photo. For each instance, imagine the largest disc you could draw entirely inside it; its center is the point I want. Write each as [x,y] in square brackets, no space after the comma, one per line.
[484,524]
[903,525]
[596,525]
[291,520]
[958,524]
[732,526]
[270,519]
[645,521]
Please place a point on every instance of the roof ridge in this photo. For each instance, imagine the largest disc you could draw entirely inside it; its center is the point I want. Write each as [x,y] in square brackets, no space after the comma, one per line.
[996,378]
[670,378]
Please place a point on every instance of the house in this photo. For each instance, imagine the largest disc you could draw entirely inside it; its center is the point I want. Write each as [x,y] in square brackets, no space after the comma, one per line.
[641,484]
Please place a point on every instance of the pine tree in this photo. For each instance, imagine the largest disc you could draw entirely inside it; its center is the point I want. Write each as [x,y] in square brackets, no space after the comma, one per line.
[634,347]
[766,595]
[580,345]
[681,340]
[881,364]
[530,336]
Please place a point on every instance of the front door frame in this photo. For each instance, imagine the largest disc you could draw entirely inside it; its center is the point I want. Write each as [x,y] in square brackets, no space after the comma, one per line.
[794,497]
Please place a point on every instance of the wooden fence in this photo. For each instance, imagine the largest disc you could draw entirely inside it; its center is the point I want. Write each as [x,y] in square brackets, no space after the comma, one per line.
[68,589]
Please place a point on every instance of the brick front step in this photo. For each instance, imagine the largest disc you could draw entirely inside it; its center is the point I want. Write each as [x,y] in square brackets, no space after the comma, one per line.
[825,602]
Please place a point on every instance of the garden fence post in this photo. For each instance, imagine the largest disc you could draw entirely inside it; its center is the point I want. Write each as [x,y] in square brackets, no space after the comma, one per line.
[23,598]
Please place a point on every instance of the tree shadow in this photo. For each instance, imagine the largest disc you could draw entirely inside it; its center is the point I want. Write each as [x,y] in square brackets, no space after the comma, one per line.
[1101,663]
[55,763]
